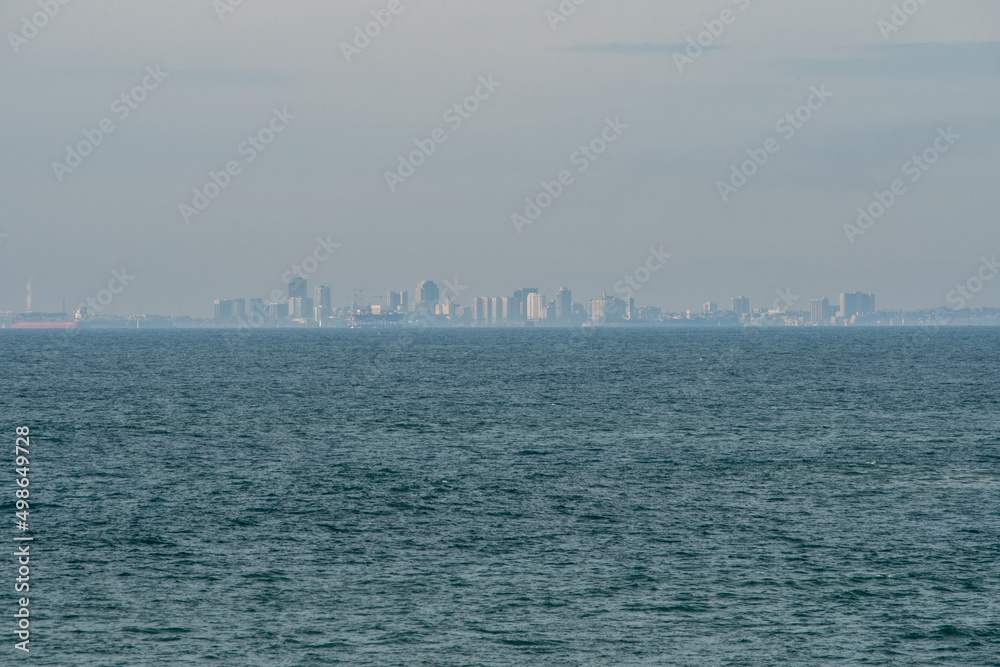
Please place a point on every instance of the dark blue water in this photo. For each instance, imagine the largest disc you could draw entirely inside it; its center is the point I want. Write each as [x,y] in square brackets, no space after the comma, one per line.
[510,497]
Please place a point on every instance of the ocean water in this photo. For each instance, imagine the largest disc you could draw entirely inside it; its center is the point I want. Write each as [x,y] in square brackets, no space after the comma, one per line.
[509,497]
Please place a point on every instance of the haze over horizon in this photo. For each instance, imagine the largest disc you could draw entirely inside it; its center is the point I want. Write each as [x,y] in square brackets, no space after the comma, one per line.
[209,81]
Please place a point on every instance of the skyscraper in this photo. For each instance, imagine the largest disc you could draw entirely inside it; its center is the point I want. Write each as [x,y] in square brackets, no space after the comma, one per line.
[856,303]
[427,295]
[536,307]
[223,310]
[323,303]
[301,308]
[819,311]
[297,288]
[597,310]
[239,309]
[393,302]
[518,311]
[564,304]
[481,310]
[741,306]
[277,310]
[498,309]
[258,311]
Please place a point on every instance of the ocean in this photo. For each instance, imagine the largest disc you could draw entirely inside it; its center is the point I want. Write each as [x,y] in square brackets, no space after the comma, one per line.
[508,497]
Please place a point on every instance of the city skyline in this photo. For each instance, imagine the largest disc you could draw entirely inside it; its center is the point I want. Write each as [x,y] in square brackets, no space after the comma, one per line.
[454,304]
[453,291]
[526,305]
[844,158]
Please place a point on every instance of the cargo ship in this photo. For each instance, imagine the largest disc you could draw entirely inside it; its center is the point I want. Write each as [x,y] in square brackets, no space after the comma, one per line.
[32,320]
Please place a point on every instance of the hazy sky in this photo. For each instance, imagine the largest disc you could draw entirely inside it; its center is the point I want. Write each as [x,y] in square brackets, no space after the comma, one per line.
[894,93]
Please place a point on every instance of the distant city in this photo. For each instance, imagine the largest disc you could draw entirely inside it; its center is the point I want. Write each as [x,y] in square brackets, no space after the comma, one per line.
[526,307]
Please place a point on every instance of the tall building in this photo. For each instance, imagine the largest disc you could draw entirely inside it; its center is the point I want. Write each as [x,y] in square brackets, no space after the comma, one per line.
[300,308]
[597,310]
[223,310]
[615,309]
[393,302]
[446,309]
[515,306]
[277,310]
[650,314]
[741,306]
[564,304]
[230,310]
[404,302]
[481,310]
[297,288]
[323,303]
[550,312]
[427,295]
[536,307]
[856,303]
[258,310]
[518,311]
[498,309]
[819,311]
[709,308]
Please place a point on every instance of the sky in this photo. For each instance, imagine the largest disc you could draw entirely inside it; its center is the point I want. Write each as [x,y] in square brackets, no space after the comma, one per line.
[648,111]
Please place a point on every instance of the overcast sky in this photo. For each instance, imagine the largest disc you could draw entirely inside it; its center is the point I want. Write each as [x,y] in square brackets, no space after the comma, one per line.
[556,84]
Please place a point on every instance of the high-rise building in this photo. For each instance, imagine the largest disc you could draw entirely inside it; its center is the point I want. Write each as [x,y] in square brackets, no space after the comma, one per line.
[550,312]
[498,309]
[650,314]
[597,310]
[446,309]
[518,310]
[404,302]
[230,310]
[393,302]
[297,288]
[481,310]
[856,303]
[819,311]
[223,310]
[564,304]
[323,303]
[709,308]
[300,309]
[258,312]
[518,306]
[277,310]
[741,306]
[427,295]
[536,307]
[615,309]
